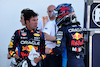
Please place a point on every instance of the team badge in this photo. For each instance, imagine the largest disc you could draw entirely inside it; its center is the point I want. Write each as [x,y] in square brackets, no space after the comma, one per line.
[24,34]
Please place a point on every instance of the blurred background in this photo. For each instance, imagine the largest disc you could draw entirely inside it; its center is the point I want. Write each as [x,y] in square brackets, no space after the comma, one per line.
[10,11]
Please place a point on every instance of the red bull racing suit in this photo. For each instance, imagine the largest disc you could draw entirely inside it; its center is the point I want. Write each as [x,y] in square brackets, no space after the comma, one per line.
[70,37]
[23,38]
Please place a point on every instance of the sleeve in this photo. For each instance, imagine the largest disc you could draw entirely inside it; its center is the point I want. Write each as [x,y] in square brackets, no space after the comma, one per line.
[42,44]
[13,44]
[42,48]
[59,49]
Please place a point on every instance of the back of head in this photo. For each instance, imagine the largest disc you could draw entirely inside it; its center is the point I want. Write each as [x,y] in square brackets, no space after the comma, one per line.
[22,20]
[28,14]
[65,14]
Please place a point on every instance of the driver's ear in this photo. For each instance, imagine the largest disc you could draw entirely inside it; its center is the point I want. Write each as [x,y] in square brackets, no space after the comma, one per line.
[27,21]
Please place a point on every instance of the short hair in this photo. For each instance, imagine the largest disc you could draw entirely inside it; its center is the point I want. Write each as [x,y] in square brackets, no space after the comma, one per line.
[24,10]
[28,14]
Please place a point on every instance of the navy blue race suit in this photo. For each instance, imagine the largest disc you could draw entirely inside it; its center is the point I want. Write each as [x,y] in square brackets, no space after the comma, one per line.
[70,37]
[24,37]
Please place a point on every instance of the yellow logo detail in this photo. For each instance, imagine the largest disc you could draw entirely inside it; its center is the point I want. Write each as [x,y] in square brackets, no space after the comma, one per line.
[32,31]
[35,34]
[58,42]
[11,44]
[27,48]
[30,47]
[77,36]
[45,46]
[11,52]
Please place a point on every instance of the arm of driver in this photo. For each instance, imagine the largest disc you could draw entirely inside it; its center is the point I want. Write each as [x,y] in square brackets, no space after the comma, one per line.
[49,37]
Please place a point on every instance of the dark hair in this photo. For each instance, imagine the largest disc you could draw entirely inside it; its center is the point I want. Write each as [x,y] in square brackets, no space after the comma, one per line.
[28,14]
[24,10]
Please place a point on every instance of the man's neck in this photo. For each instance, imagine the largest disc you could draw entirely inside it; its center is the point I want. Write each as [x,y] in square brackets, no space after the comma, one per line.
[52,18]
[29,28]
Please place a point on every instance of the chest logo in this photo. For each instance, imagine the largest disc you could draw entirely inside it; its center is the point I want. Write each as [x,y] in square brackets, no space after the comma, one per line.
[77,36]
[36,34]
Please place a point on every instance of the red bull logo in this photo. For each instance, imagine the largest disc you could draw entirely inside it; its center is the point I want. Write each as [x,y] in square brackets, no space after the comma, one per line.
[77,42]
[24,54]
[77,36]
[27,48]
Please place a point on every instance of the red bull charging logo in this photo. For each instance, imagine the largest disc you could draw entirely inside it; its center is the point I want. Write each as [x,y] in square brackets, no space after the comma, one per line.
[27,48]
[76,42]
[77,36]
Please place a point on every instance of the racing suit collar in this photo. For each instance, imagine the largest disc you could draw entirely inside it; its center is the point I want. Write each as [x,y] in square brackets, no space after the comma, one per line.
[31,31]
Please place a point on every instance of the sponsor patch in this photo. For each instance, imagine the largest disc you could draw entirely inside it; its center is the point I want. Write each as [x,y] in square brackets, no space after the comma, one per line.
[58,42]
[11,44]
[75,30]
[30,42]
[23,37]
[23,34]
[27,48]
[77,42]
[36,34]
[79,49]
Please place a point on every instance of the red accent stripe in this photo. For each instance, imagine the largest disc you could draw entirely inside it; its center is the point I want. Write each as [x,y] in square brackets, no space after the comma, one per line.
[77,50]
[19,32]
